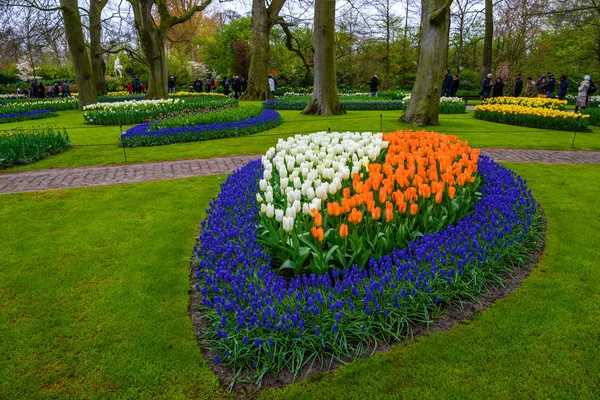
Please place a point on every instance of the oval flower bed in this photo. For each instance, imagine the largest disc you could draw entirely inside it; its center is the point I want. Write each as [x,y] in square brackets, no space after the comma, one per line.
[26,116]
[532,117]
[350,102]
[260,319]
[143,135]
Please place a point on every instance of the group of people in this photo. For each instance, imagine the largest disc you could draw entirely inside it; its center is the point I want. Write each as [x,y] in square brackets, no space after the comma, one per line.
[544,86]
[136,86]
[237,84]
[37,90]
[451,84]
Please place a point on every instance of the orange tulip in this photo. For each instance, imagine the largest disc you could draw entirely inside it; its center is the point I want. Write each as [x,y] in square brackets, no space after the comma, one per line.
[355,216]
[402,207]
[376,213]
[451,192]
[343,230]
[439,197]
[346,193]
[414,209]
[318,220]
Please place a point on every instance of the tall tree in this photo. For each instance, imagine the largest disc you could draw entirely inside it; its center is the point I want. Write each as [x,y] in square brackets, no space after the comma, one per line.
[488,37]
[325,99]
[388,22]
[263,19]
[153,35]
[96,51]
[425,98]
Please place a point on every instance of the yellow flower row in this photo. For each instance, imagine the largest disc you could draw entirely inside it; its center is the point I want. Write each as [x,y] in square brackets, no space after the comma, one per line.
[536,102]
[523,110]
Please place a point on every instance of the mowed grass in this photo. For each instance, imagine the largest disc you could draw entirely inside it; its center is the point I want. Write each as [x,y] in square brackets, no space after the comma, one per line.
[98,145]
[94,304]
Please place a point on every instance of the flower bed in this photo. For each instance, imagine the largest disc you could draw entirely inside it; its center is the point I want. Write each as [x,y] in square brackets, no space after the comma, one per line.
[533,117]
[350,102]
[141,135]
[259,321]
[11,106]
[138,111]
[535,102]
[449,105]
[214,117]
[28,146]
[26,115]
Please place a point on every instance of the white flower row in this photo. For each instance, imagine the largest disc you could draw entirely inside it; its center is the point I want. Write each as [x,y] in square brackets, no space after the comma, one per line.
[43,102]
[572,97]
[12,96]
[300,172]
[443,100]
[130,104]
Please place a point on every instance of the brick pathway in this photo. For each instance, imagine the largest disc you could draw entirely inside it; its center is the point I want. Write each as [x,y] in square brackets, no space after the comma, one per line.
[96,176]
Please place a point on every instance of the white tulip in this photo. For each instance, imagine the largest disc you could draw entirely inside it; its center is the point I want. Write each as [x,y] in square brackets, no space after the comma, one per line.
[259,198]
[263,208]
[270,210]
[279,215]
[269,196]
[263,184]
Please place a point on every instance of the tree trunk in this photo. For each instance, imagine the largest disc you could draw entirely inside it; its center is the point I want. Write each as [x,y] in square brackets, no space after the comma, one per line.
[79,54]
[258,77]
[152,41]
[325,99]
[387,47]
[425,98]
[404,43]
[488,37]
[98,64]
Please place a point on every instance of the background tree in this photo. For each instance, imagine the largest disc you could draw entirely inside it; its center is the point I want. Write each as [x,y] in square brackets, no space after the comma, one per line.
[425,98]
[325,99]
[152,34]
[489,37]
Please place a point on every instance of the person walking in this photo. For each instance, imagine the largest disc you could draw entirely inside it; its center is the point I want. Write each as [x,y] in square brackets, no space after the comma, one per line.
[213,85]
[455,85]
[373,83]
[237,87]
[171,85]
[582,95]
[272,85]
[498,88]
[550,85]
[65,89]
[35,89]
[518,85]
[486,86]
[590,91]
[137,85]
[225,86]
[130,88]
[447,86]
[530,89]
[42,90]
[207,85]
[542,87]
[198,85]
[562,87]
[56,89]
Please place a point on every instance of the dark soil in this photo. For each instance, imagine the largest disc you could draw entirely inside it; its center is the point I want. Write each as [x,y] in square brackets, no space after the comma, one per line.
[460,314]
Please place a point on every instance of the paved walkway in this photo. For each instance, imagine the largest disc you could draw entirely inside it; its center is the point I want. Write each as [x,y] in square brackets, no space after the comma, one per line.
[111,175]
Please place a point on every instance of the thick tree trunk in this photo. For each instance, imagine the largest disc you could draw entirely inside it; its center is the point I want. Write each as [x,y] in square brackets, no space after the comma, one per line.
[488,37]
[258,77]
[425,98]
[98,64]
[325,99]
[152,41]
[79,54]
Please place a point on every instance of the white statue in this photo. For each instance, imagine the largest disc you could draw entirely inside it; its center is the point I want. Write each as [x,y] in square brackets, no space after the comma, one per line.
[118,67]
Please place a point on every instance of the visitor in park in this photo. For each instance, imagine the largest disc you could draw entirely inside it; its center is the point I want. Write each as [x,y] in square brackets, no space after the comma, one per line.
[225,86]
[65,89]
[582,96]
[213,85]
[591,90]
[237,86]
[56,89]
[171,84]
[137,85]
[191,89]
[447,86]
[498,88]
[455,85]
[42,89]
[244,84]
[538,83]
[198,85]
[35,89]
[207,85]
[562,87]
[550,84]
[130,88]
[373,83]
[144,87]
[272,85]
[530,90]
[486,86]
[518,85]
[542,87]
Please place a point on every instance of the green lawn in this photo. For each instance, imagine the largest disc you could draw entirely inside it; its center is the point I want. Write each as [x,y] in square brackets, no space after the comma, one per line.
[98,145]
[94,304]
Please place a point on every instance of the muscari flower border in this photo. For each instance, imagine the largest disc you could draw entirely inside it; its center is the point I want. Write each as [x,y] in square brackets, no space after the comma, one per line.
[141,135]
[257,322]
[26,116]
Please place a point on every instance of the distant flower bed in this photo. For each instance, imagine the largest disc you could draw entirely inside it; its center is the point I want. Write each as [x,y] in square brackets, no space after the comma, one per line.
[262,317]
[350,102]
[380,95]
[138,111]
[143,135]
[214,117]
[11,96]
[594,115]
[28,146]
[11,106]
[449,105]
[26,115]
[533,117]
[535,102]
